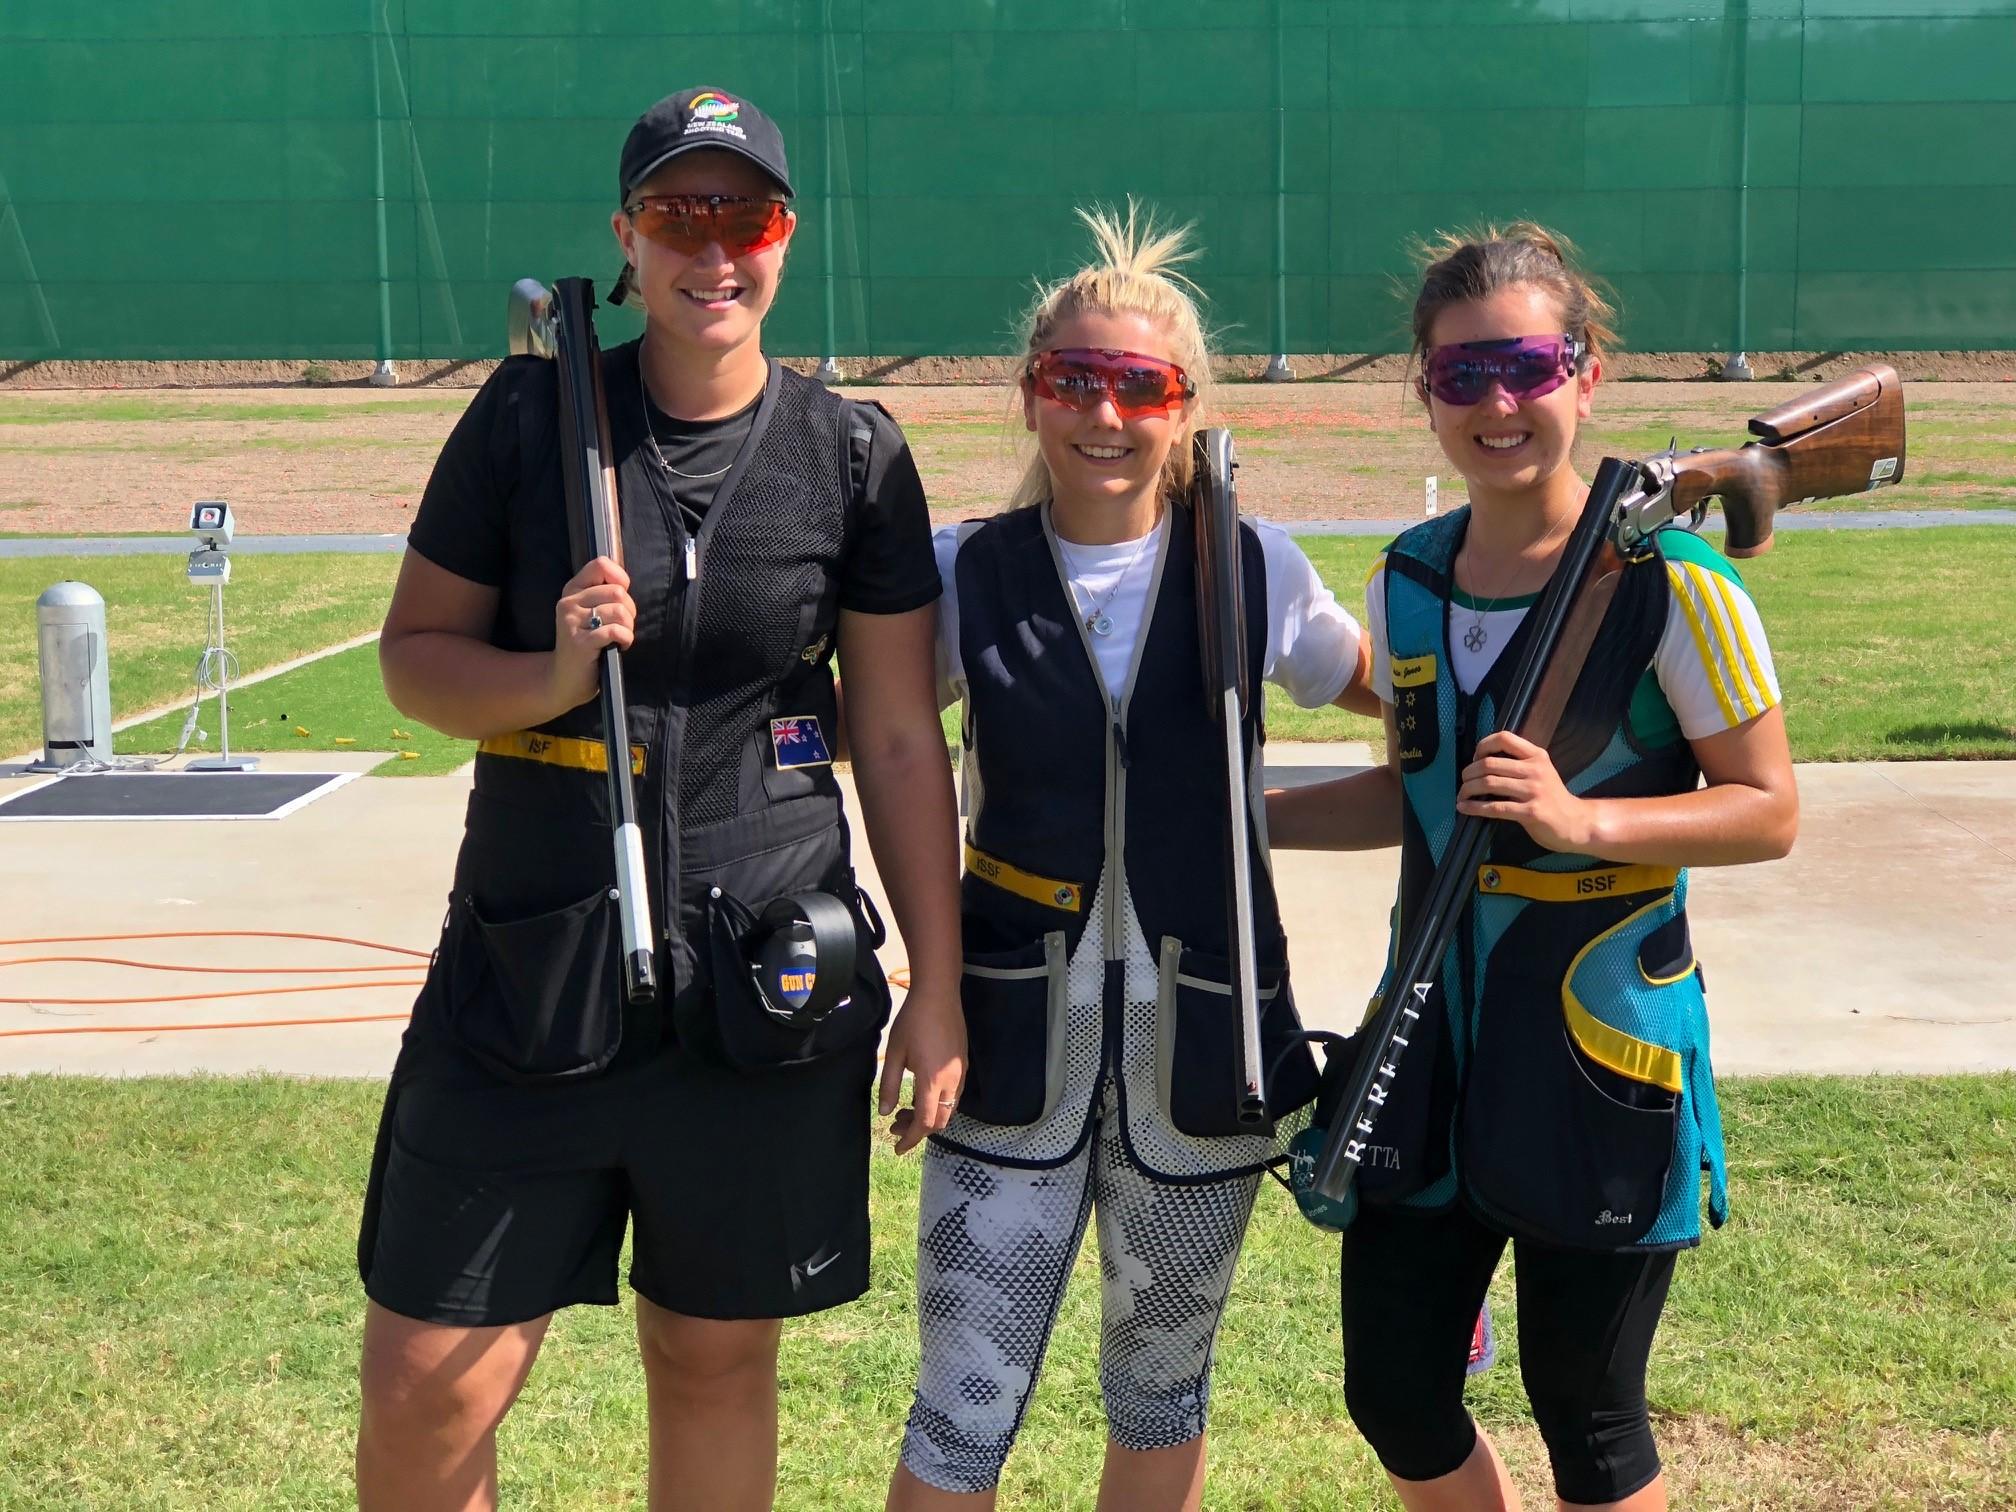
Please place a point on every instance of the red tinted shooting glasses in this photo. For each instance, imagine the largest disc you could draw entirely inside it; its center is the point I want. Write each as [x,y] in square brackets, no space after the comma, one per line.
[1081,377]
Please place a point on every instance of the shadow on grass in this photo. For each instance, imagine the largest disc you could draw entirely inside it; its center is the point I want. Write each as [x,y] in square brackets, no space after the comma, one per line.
[1936,738]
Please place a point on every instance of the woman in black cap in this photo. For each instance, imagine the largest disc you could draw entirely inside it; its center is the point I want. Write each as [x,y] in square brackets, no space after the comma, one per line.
[532,1113]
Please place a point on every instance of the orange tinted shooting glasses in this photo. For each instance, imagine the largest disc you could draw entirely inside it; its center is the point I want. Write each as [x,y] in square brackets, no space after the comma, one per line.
[690,222]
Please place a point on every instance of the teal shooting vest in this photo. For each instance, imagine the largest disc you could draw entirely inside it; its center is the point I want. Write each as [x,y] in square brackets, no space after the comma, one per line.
[1566,1093]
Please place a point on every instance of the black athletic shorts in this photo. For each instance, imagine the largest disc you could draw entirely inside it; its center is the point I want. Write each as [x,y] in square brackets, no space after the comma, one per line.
[1411,1289]
[493,1202]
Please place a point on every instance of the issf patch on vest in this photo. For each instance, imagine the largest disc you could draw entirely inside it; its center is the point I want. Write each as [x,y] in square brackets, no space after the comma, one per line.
[799,742]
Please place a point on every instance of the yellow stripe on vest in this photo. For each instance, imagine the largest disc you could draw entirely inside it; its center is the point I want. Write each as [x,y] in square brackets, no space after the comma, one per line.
[1068,896]
[558,750]
[1574,887]
[1626,1054]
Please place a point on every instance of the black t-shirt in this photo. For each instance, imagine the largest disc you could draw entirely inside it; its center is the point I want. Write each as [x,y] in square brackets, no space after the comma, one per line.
[462,524]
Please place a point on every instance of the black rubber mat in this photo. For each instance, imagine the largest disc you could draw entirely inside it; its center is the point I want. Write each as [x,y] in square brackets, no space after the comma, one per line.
[169,795]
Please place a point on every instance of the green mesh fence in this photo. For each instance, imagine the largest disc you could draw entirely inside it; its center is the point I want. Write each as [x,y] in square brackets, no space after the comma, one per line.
[363,178]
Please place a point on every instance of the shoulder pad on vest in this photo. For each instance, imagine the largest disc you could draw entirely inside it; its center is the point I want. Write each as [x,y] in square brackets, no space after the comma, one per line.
[1678,544]
[1432,543]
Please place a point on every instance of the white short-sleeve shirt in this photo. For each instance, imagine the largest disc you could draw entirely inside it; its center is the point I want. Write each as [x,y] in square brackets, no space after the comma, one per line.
[1312,640]
[1713,663]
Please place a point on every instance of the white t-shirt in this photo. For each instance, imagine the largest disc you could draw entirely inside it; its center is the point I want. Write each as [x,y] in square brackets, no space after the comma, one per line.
[1713,663]
[1312,641]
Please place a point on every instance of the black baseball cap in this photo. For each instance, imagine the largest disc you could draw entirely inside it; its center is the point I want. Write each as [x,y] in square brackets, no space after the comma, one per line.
[697,118]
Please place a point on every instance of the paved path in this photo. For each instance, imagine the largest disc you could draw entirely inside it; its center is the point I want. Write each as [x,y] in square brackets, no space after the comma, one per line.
[1874,519]
[1882,944]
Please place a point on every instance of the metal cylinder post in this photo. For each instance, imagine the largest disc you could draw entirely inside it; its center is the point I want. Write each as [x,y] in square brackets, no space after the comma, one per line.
[76,679]
[1736,23]
[1278,369]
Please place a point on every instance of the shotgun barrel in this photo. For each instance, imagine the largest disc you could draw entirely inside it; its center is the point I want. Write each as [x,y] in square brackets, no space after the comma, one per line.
[588,471]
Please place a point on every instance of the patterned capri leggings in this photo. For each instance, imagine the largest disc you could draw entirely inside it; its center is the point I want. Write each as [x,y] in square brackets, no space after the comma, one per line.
[995,1246]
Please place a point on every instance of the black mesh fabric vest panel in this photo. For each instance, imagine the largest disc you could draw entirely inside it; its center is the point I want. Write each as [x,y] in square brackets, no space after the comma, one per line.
[762,631]
[710,668]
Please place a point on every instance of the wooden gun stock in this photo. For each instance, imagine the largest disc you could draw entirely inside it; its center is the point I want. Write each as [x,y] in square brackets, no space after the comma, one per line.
[1846,437]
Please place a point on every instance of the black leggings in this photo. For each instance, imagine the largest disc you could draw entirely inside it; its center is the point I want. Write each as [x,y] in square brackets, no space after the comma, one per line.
[1411,1289]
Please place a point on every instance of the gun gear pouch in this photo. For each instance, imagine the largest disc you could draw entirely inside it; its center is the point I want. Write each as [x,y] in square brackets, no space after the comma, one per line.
[793,981]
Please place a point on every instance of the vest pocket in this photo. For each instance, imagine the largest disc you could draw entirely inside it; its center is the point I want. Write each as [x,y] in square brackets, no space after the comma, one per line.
[1197,1035]
[727,1021]
[1572,1116]
[552,1011]
[1016,1008]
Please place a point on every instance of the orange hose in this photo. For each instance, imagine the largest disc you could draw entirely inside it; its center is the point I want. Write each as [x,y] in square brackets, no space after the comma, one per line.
[219,934]
[171,966]
[201,997]
[355,1018]
[897,978]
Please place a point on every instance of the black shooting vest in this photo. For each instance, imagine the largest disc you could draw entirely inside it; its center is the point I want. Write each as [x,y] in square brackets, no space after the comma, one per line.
[1565,1090]
[1063,778]
[718,656]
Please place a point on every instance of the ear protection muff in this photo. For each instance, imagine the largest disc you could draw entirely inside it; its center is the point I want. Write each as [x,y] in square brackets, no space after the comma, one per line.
[801,957]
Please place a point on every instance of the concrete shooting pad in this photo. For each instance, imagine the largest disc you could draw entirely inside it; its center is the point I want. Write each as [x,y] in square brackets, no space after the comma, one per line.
[169,795]
[1882,944]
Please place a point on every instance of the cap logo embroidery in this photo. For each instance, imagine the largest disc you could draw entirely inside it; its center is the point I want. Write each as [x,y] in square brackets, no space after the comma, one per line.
[716,114]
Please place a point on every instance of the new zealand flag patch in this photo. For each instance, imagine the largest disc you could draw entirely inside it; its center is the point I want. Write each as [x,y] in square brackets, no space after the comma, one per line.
[799,742]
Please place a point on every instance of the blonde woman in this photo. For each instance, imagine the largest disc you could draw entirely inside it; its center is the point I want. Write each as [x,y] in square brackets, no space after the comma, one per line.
[1102,1041]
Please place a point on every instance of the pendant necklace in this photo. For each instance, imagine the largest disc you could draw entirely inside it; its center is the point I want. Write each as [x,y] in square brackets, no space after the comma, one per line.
[1477,637]
[1097,620]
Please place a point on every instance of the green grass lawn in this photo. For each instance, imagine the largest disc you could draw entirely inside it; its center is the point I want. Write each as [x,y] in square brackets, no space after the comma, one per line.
[276,608]
[147,408]
[1890,645]
[335,704]
[179,1313]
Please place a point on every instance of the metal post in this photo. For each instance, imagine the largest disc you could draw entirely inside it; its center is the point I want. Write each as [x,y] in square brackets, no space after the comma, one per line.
[1736,16]
[1278,370]
[829,63]
[384,375]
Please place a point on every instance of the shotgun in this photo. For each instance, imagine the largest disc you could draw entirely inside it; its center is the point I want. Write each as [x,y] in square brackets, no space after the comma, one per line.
[560,325]
[1221,638]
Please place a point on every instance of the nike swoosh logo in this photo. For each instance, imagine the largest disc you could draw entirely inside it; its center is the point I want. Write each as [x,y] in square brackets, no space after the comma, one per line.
[813,1270]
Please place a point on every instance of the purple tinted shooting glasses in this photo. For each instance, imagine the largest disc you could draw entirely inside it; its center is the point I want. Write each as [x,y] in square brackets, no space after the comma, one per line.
[1526,367]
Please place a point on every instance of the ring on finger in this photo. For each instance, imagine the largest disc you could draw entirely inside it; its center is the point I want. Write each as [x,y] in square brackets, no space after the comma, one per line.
[594,619]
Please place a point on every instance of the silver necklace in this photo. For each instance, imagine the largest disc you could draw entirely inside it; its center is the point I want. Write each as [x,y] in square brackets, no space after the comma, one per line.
[1477,637]
[651,435]
[1097,620]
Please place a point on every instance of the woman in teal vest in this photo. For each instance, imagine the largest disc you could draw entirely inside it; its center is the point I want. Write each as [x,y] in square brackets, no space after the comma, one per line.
[1563,1101]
